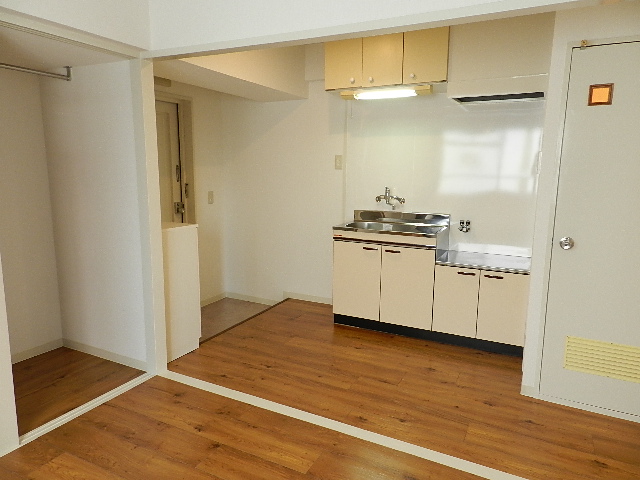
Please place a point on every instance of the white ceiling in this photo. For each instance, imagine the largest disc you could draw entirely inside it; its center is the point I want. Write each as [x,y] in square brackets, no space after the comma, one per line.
[39,51]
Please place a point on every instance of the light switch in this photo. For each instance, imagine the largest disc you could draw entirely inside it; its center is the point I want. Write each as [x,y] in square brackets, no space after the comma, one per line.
[210,197]
[338,162]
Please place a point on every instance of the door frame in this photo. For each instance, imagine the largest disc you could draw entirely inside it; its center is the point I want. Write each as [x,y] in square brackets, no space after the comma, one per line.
[548,183]
[185,136]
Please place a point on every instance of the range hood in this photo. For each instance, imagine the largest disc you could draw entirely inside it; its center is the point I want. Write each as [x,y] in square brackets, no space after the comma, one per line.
[520,88]
[500,60]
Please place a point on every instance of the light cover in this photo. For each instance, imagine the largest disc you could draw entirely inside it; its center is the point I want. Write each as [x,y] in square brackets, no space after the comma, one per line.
[385,93]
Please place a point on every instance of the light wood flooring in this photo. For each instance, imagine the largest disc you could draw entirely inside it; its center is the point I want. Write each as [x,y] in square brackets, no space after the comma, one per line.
[224,314]
[56,382]
[454,400]
[165,430]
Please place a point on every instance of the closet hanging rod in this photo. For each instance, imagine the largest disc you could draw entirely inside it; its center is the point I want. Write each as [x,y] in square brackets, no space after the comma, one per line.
[38,72]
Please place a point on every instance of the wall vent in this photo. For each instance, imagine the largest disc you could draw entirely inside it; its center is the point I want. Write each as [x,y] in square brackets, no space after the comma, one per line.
[603,358]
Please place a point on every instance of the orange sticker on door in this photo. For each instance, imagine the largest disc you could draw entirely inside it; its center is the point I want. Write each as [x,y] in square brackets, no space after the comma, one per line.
[601,94]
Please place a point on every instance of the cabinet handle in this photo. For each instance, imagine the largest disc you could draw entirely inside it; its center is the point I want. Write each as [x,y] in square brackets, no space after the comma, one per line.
[370,248]
[495,277]
[370,79]
[471,274]
[392,251]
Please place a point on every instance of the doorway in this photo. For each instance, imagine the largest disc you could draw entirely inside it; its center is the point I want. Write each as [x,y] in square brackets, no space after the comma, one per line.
[175,165]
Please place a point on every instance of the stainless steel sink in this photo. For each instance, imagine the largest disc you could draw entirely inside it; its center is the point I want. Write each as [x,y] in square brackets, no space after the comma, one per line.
[411,228]
[397,223]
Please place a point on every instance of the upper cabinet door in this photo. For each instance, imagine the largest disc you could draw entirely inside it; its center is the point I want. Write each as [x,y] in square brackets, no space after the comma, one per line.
[426,55]
[382,60]
[343,64]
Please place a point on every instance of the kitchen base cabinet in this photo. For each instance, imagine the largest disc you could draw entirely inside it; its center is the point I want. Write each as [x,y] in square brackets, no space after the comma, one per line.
[356,279]
[406,286]
[392,284]
[483,304]
[455,300]
[502,307]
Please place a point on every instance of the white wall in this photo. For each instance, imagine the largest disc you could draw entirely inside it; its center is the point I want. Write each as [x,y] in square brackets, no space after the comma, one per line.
[282,194]
[594,24]
[89,131]
[476,163]
[125,21]
[207,119]
[202,25]
[26,230]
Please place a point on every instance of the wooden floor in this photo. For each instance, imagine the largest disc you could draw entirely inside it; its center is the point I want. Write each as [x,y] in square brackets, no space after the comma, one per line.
[224,314]
[166,430]
[457,401]
[56,382]
[453,400]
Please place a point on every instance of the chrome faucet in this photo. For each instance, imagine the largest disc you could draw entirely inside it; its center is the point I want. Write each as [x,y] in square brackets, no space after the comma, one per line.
[388,197]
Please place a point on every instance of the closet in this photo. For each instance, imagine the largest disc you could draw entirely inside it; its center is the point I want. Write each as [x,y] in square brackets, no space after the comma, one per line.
[70,230]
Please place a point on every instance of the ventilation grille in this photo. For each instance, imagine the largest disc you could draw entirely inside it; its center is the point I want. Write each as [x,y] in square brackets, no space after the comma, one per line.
[603,358]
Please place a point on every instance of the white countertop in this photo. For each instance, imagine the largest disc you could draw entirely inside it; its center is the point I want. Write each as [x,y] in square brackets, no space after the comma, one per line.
[486,261]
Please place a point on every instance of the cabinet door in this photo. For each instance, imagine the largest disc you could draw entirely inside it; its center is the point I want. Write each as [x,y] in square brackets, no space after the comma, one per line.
[343,64]
[382,60]
[455,300]
[406,286]
[502,307]
[426,55]
[356,279]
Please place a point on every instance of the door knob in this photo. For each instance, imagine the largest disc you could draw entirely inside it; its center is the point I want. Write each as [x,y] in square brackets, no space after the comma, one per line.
[566,243]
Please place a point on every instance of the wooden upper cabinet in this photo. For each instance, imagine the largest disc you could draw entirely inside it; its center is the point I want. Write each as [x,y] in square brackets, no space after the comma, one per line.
[382,60]
[426,56]
[396,59]
[343,64]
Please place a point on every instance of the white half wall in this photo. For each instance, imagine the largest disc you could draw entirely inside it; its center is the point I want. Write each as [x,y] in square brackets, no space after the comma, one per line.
[205,25]
[207,121]
[91,147]
[125,21]
[8,418]
[26,229]
[595,24]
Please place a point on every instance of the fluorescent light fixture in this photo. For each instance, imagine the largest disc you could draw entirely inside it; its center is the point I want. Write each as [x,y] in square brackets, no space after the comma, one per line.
[386,93]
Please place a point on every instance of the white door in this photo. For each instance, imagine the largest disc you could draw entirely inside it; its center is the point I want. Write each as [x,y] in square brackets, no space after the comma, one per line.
[169,165]
[593,303]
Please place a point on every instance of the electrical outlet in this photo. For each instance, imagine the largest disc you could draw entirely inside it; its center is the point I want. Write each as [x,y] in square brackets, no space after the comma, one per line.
[338,162]
[210,197]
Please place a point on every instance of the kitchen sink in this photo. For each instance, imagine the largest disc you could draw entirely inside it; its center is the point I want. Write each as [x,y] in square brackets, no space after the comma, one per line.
[397,223]
[394,226]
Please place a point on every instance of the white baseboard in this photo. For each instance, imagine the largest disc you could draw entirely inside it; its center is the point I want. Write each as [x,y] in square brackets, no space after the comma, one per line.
[39,350]
[249,298]
[530,392]
[210,300]
[308,298]
[98,352]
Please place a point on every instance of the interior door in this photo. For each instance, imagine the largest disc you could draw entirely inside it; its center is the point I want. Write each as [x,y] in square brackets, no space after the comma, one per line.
[169,164]
[591,348]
